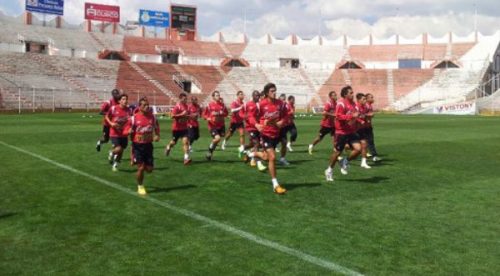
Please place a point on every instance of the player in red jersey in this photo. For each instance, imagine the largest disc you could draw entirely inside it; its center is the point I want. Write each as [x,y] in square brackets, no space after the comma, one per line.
[362,127]
[195,111]
[250,112]
[271,114]
[237,123]
[115,97]
[328,122]
[371,137]
[118,119]
[180,114]
[144,130]
[288,127]
[215,114]
[345,132]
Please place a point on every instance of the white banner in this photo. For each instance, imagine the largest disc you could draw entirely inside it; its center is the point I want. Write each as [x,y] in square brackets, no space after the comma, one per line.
[464,108]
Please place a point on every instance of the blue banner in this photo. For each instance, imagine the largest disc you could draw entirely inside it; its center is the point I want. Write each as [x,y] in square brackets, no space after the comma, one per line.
[46,6]
[154,18]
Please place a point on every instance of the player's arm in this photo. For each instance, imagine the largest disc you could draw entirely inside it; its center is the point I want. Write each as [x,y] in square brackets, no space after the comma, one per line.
[108,119]
[156,127]
[340,113]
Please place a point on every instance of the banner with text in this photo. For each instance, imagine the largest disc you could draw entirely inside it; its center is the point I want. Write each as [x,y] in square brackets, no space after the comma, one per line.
[46,6]
[154,18]
[465,108]
[100,12]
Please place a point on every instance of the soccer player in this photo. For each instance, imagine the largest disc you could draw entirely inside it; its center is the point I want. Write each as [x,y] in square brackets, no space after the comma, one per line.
[144,130]
[288,126]
[371,137]
[291,122]
[345,132]
[362,127]
[236,123]
[195,112]
[328,121]
[215,114]
[180,114]
[118,119]
[250,112]
[115,97]
[271,113]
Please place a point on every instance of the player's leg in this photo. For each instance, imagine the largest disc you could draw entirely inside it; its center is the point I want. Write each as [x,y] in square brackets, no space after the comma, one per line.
[185,146]
[364,150]
[241,149]
[272,171]
[293,137]
[104,138]
[322,132]
[228,135]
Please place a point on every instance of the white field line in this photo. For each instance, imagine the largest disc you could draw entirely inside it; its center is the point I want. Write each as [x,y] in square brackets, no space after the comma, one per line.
[222,226]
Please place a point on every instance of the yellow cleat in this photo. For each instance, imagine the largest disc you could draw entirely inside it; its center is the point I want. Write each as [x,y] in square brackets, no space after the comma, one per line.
[253,163]
[280,190]
[141,190]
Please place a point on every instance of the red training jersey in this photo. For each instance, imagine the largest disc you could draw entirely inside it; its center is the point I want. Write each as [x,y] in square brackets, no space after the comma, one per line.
[195,113]
[105,106]
[361,120]
[272,112]
[236,117]
[250,112]
[119,116]
[181,122]
[215,112]
[369,115]
[329,121]
[289,116]
[344,121]
[144,127]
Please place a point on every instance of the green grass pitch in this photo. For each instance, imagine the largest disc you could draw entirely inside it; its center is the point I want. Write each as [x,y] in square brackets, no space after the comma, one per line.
[432,206]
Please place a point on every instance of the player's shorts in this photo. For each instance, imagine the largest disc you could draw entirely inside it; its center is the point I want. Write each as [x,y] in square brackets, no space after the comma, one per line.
[119,142]
[364,133]
[179,134]
[234,126]
[270,143]
[326,130]
[342,140]
[254,136]
[284,131]
[143,153]
[105,132]
[193,133]
[218,131]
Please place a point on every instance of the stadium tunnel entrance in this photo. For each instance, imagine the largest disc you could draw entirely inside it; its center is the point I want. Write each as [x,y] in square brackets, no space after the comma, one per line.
[235,62]
[114,55]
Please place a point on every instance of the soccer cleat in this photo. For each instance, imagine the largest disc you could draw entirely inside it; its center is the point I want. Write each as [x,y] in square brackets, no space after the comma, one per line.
[329,175]
[190,149]
[223,146]
[277,150]
[376,159]
[283,162]
[279,190]
[110,158]
[115,167]
[344,166]
[368,154]
[310,150]
[187,161]
[289,147]
[366,166]
[208,156]
[340,158]
[98,146]
[141,190]
[167,150]
[261,166]
[253,163]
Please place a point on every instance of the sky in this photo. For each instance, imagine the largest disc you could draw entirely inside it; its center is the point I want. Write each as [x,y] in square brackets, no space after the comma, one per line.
[308,18]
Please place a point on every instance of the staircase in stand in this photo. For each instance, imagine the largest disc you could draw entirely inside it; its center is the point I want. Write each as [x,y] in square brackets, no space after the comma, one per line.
[156,83]
[347,78]
[390,87]
[311,87]
[100,42]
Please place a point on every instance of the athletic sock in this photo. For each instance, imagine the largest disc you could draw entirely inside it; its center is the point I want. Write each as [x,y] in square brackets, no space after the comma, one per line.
[186,156]
[275,183]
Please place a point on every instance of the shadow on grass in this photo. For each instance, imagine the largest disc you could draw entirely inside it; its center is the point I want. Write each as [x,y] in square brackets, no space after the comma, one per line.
[7,215]
[153,189]
[291,186]
[370,180]
[134,169]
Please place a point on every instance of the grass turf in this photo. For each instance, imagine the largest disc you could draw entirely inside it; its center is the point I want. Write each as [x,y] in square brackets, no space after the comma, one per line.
[431,206]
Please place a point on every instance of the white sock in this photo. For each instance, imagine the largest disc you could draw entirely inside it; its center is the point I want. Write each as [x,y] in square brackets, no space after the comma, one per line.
[259,163]
[329,169]
[242,148]
[311,146]
[289,144]
[251,154]
[186,156]
[275,183]
[363,160]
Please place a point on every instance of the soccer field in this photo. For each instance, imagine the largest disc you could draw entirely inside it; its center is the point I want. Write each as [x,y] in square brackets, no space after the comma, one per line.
[430,207]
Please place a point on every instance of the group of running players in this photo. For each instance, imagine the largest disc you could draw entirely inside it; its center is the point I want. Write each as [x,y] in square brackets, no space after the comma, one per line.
[266,118]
